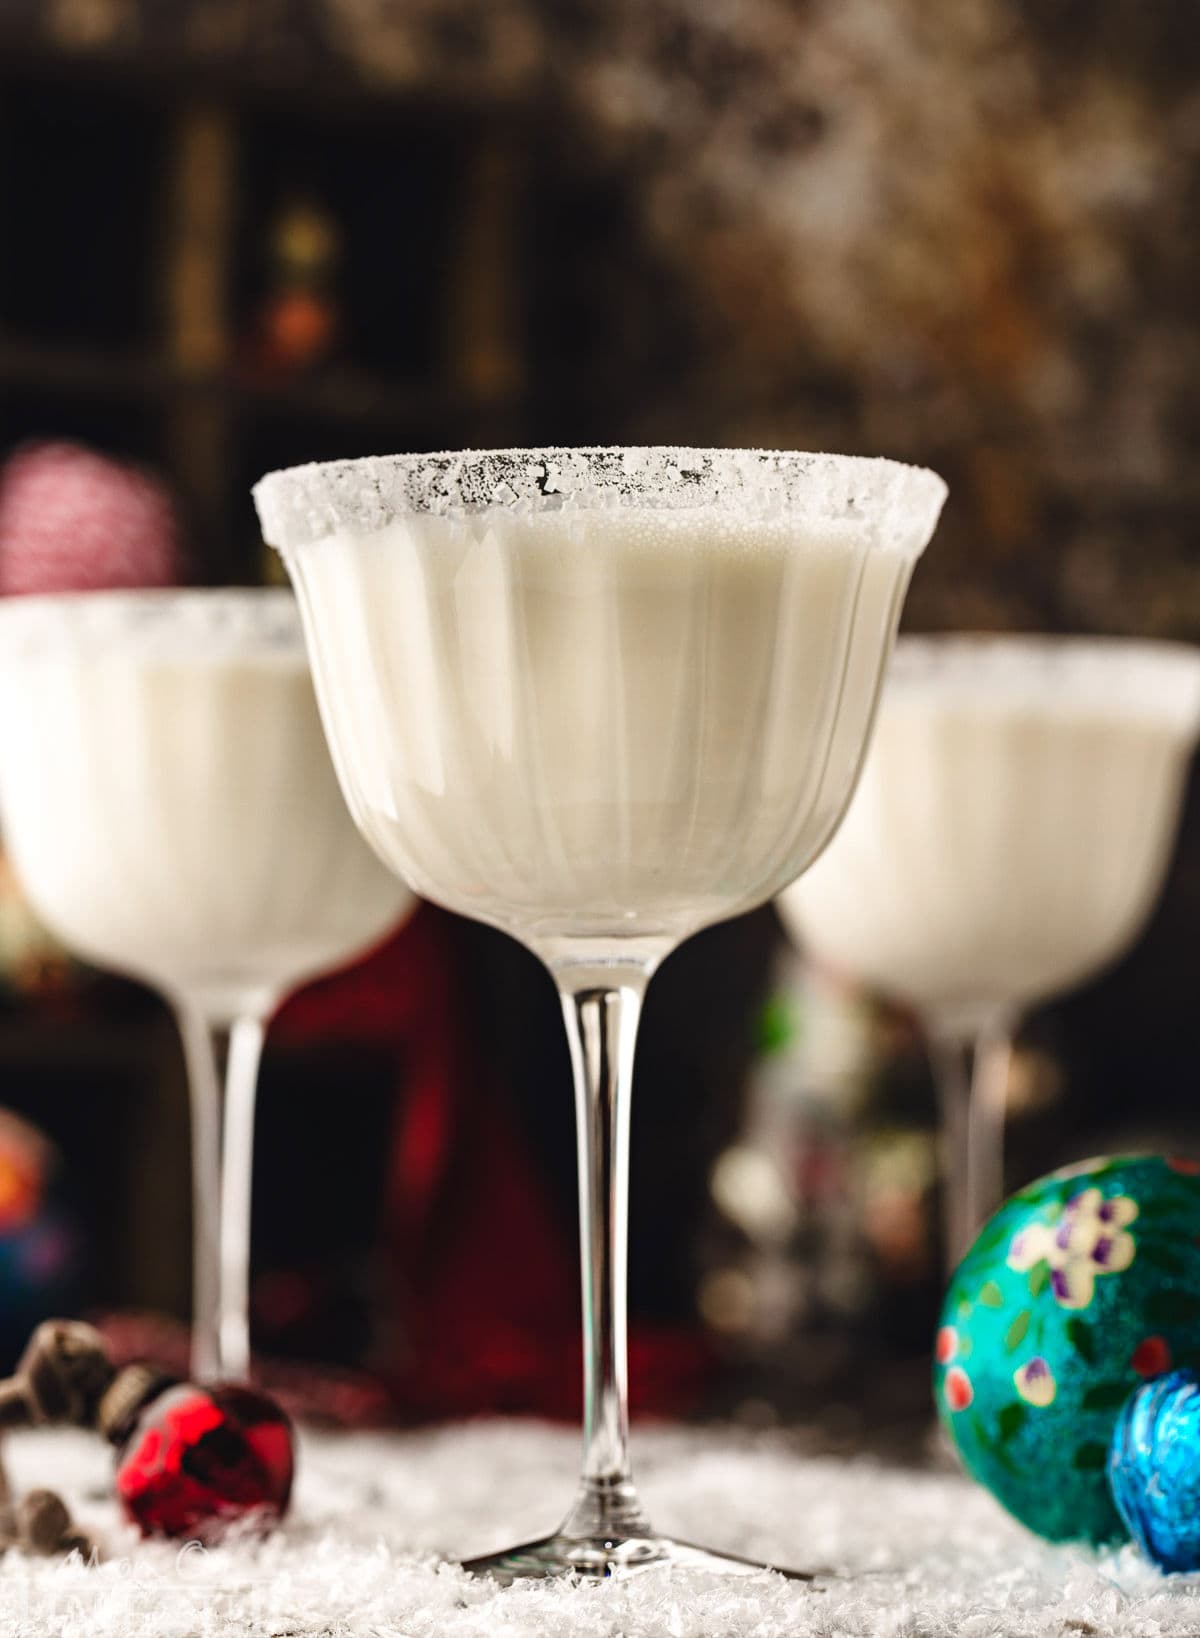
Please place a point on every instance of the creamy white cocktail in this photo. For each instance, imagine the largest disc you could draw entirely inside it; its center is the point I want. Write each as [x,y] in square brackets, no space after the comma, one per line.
[613,725]
[1008,838]
[599,698]
[169,805]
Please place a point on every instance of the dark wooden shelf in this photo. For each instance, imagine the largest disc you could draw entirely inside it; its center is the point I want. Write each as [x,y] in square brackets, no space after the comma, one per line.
[317,85]
[352,396]
[77,370]
[335,394]
[90,1042]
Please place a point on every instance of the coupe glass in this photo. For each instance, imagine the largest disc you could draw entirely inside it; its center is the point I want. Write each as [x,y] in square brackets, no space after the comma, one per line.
[170,808]
[599,698]
[1009,837]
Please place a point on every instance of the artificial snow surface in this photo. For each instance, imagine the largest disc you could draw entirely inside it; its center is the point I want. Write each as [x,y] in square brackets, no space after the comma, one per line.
[923,1555]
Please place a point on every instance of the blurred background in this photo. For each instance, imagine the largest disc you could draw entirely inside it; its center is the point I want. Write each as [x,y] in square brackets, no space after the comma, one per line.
[237,234]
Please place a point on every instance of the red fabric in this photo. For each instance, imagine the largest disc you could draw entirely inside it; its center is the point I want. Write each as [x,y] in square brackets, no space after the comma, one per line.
[486,1272]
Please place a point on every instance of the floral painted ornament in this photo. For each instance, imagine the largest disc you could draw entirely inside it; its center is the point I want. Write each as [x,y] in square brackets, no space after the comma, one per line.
[1082,1287]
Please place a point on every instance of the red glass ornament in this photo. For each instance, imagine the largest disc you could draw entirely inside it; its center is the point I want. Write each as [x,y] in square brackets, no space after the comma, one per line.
[198,1460]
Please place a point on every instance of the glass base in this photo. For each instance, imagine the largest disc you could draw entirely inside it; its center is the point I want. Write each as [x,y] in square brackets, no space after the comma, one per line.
[602,1558]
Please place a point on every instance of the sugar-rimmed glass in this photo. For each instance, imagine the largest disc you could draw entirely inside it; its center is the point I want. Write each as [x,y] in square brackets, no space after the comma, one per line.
[1008,839]
[599,699]
[169,805]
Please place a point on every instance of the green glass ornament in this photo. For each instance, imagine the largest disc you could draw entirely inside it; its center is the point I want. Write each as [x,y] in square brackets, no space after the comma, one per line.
[1080,1288]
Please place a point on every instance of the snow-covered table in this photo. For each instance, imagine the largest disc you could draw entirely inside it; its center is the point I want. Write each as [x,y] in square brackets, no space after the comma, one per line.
[923,1555]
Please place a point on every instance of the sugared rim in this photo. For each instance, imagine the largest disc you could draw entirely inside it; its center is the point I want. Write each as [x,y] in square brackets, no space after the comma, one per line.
[192,621]
[1150,678]
[893,505]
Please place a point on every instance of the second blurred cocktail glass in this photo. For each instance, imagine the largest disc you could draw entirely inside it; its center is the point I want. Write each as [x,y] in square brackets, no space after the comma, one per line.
[169,805]
[1009,837]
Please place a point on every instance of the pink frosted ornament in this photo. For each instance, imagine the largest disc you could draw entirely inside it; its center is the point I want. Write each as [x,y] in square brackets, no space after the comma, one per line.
[74,520]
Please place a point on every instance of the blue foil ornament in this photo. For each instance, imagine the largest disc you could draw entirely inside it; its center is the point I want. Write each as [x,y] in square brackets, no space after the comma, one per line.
[1154,1469]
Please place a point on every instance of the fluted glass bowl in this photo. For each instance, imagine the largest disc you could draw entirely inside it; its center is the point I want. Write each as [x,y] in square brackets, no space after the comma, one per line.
[166,793]
[599,693]
[1014,820]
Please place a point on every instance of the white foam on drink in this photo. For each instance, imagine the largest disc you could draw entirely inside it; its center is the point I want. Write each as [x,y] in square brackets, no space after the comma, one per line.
[1095,679]
[197,624]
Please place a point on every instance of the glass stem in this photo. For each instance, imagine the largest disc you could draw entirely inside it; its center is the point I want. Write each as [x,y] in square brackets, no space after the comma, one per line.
[222,1067]
[972,1082]
[601,1027]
